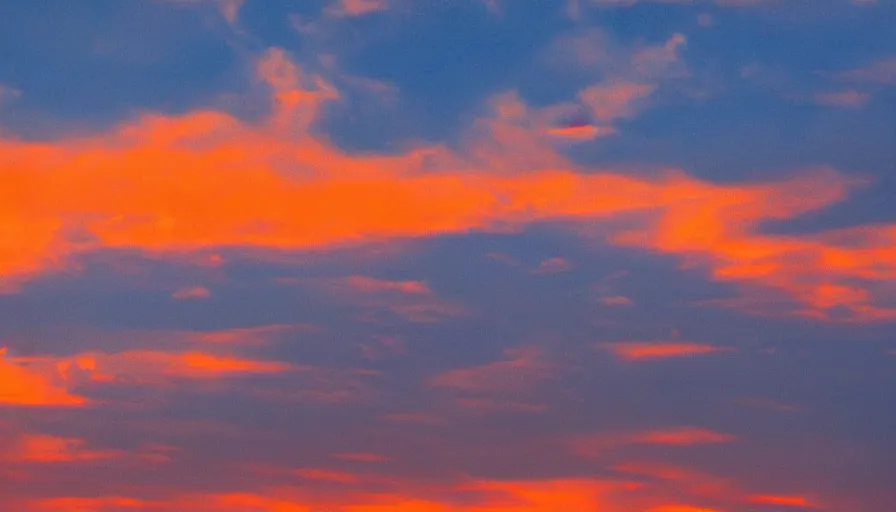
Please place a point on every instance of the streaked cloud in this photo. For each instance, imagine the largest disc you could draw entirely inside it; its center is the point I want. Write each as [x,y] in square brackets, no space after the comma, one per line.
[880,72]
[638,351]
[524,367]
[784,501]
[356,7]
[191,292]
[281,184]
[597,444]
[847,99]
[553,265]
[616,300]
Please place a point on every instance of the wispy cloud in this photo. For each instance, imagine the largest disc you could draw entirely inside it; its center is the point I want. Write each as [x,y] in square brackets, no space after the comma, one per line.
[191,292]
[596,444]
[880,72]
[847,99]
[356,7]
[640,351]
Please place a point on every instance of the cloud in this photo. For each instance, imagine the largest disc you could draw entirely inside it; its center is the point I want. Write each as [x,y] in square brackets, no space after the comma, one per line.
[21,385]
[134,366]
[410,300]
[356,7]
[8,94]
[523,368]
[681,508]
[192,292]
[260,335]
[554,265]
[611,101]
[846,99]
[785,501]
[289,191]
[581,132]
[616,300]
[596,444]
[684,436]
[881,72]
[502,386]
[229,9]
[51,449]
[639,351]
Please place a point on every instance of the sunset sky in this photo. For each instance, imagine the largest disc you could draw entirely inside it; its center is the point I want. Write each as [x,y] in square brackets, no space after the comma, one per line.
[448,255]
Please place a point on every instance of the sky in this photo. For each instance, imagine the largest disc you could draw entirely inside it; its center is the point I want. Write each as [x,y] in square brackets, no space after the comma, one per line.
[448,256]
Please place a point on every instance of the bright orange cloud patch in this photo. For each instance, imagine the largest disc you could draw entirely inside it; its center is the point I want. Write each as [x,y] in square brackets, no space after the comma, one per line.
[637,351]
[20,385]
[205,179]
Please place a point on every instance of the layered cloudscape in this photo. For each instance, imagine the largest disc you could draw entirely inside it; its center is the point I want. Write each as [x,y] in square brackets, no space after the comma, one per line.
[478,256]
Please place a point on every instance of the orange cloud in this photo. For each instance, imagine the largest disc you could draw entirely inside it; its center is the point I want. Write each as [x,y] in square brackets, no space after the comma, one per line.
[44,448]
[104,504]
[248,335]
[410,495]
[786,501]
[136,366]
[637,351]
[581,132]
[684,436]
[681,508]
[175,185]
[20,385]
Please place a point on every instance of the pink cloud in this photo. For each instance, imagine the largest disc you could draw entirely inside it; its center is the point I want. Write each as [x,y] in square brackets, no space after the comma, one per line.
[881,72]
[639,351]
[411,300]
[193,292]
[523,369]
[554,265]
[611,101]
[356,7]
[596,444]
[616,300]
[847,99]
